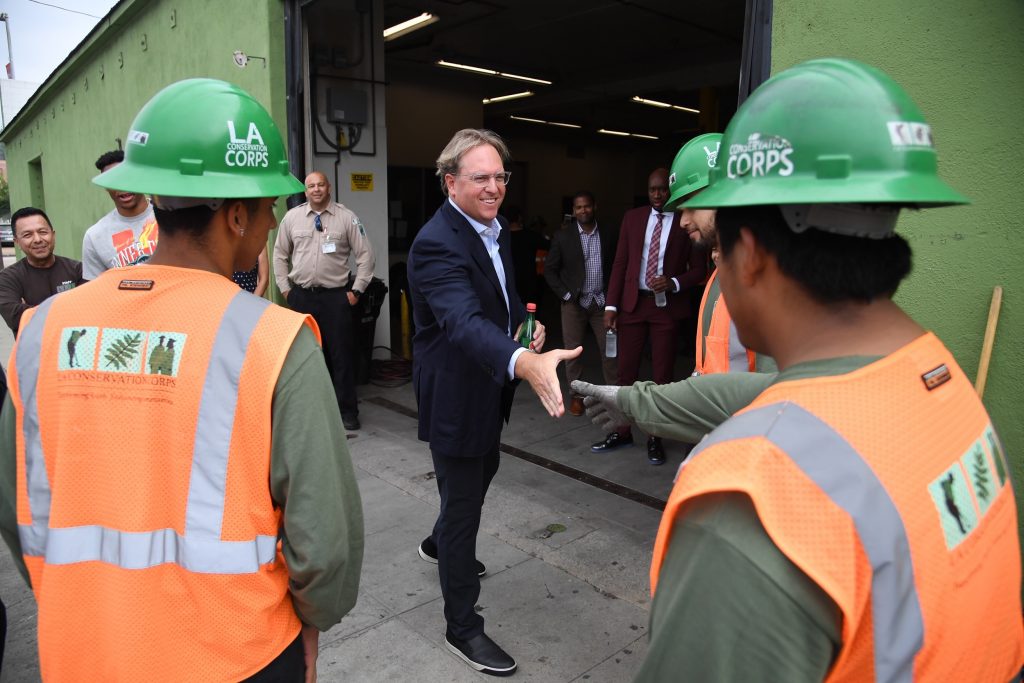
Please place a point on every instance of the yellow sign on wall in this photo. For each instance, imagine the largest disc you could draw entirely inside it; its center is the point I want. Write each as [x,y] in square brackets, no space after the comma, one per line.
[362,182]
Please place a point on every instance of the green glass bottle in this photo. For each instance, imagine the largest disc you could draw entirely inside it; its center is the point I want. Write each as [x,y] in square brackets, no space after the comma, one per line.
[526,333]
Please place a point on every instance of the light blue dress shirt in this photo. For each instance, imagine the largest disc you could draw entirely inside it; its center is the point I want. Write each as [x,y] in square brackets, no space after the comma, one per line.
[489,235]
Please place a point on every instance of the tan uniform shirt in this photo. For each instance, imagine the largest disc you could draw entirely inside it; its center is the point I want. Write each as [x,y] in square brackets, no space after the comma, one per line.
[305,257]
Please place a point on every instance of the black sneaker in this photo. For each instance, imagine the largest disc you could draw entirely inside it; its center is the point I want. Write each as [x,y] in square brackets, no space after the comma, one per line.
[350,421]
[428,552]
[612,442]
[655,451]
[482,654]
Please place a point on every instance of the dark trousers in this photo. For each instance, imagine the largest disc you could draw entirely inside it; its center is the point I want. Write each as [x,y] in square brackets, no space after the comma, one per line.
[287,667]
[575,321]
[462,483]
[646,321]
[332,312]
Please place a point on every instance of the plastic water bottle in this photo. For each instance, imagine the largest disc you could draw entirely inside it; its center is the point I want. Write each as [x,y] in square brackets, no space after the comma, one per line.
[660,298]
[611,344]
[526,333]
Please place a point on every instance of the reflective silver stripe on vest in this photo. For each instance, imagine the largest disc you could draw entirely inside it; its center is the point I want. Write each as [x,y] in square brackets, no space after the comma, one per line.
[205,510]
[200,548]
[144,549]
[738,361]
[30,343]
[843,475]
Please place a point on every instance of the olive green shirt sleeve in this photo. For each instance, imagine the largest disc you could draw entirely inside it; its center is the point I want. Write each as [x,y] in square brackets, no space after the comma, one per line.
[731,606]
[313,481]
[689,409]
[9,488]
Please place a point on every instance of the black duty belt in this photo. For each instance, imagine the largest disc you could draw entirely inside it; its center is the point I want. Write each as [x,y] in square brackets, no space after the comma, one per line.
[322,290]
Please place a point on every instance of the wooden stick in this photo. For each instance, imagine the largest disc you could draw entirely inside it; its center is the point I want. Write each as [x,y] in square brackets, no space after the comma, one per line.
[990,338]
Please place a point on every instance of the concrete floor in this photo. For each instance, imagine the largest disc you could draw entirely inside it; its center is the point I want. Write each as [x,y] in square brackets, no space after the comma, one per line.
[569,605]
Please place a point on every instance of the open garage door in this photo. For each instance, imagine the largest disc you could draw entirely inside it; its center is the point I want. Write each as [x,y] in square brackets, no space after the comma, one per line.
[589,95]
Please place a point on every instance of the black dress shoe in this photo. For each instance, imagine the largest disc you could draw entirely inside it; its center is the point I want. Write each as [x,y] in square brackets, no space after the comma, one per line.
[350,422]
[483,654]
[655,451]
[612,442]
[428,552]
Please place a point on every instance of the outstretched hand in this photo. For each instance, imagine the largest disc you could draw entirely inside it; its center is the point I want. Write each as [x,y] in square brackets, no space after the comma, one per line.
[601,402]
[540,370]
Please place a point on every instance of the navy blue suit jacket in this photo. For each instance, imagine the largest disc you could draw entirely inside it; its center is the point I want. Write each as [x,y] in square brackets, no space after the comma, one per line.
[461,348]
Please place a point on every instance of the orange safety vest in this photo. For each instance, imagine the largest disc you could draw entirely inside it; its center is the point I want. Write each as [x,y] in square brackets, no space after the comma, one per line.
[888,488]
[721,350]
[143,414]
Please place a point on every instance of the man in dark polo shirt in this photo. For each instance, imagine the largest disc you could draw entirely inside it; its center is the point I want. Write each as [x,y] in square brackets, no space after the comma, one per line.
[39,275]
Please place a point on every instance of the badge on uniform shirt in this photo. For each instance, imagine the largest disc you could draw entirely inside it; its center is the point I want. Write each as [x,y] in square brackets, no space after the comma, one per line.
[933,379]
[144,285]
[329,247]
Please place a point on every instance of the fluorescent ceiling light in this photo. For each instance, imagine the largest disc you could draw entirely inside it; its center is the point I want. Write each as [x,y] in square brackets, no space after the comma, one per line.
[528,79]
[549,123]
[664,105]
[624,134]
[653,103]
[409,25]
[491,72]
[467,67]
[503,98]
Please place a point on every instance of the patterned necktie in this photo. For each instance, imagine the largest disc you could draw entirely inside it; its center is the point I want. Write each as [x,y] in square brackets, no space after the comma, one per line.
[653,253]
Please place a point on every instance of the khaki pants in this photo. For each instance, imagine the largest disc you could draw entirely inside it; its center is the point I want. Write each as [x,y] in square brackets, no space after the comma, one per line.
[574,328]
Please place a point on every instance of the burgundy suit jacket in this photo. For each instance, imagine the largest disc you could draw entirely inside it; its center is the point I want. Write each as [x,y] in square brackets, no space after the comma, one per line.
[684,262]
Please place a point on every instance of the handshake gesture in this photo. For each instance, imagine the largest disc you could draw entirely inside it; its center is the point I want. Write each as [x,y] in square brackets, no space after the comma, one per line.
[601,404]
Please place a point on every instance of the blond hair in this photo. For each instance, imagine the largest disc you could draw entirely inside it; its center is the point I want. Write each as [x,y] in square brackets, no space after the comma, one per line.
[463,141]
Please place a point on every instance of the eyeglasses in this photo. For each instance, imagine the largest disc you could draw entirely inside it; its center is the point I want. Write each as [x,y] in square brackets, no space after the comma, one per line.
[317,224]
[483,179]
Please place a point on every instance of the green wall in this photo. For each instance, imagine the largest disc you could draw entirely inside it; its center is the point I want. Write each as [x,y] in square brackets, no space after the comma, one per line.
[962,63]
[90,101]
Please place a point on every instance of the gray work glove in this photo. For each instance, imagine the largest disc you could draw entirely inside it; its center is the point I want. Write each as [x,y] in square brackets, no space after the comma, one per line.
[601,404]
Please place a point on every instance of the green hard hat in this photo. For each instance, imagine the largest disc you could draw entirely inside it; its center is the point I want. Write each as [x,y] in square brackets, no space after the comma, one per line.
[203,138]
[828,131]
[690,167]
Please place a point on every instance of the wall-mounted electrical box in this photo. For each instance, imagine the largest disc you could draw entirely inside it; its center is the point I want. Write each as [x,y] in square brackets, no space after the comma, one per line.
[346,106]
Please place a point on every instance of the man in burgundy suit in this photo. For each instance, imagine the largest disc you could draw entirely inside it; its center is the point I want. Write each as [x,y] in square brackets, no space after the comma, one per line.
[655,255]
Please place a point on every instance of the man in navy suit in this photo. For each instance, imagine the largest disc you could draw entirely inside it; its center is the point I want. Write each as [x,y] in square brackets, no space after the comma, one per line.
[465,369]
[654,257]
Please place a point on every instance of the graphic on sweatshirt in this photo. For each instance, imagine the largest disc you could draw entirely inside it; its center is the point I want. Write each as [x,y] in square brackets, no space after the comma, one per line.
[130,252]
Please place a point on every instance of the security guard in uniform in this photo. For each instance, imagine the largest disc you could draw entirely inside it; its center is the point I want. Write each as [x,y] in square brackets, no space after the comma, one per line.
[186,507]
[856,522]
